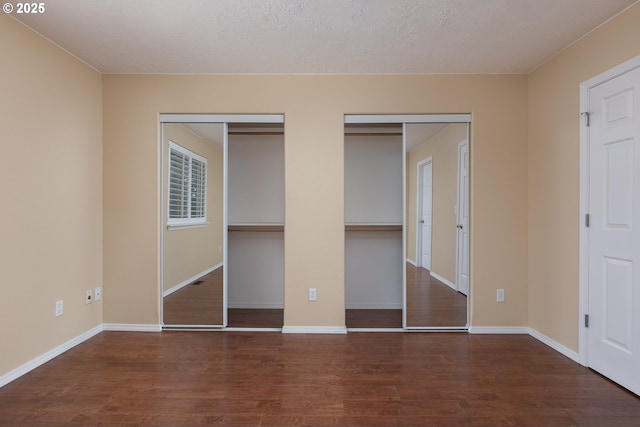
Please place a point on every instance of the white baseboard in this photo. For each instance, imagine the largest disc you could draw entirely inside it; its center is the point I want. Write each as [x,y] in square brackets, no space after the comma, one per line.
[382,306]
[443,280]
[314,330]
[189,280]
[255,305]
[44,358]
[412,262]
[132,327]
[499,330]
[555,345]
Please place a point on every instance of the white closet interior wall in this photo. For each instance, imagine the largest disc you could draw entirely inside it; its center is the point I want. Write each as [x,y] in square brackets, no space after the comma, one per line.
[256,179]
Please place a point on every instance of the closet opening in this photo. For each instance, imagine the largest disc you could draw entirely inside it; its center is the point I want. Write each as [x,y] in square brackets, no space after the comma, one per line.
[256,225]
[373,161]
[222,221]
[407,222]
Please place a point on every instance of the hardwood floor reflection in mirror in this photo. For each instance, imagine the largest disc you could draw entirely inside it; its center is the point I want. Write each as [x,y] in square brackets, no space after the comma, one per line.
[431,302]
[199,303]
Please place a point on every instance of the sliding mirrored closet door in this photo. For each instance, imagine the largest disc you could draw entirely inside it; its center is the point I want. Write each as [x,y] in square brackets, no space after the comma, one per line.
[407,221]
[222,227]
[437,266]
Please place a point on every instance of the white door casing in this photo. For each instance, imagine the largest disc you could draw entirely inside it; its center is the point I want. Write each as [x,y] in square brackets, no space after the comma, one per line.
[462,211]
[425,217]
[613,235]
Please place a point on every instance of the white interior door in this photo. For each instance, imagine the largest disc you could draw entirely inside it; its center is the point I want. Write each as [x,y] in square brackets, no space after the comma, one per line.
[426,213]
[614,230]
[462,267]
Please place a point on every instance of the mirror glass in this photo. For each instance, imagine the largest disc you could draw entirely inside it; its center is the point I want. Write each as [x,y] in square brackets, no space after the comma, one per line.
[193,194]
[437,278]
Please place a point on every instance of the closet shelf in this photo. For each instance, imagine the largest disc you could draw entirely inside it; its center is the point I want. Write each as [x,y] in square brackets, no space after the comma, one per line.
[373,227]
[256,227]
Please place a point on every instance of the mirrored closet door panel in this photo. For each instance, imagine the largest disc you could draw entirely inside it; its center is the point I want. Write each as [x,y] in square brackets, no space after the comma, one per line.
[437,266]
[193,224]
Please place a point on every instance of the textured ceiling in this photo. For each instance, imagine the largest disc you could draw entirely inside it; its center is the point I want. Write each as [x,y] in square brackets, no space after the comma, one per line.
[318,36]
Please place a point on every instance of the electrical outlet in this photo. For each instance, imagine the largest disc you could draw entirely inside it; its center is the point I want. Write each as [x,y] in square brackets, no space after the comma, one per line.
[59,308]
[500,295]
[312,294]
[97,293]
[88,297]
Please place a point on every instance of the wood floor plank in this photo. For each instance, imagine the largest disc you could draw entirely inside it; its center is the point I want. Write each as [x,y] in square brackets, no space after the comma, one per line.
[267,379]
[255,318]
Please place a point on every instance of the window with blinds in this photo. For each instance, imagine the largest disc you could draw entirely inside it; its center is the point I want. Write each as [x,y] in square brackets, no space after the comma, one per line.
[187,187]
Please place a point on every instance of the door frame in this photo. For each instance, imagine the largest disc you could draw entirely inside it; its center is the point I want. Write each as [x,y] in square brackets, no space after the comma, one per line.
[419,203]
[583,259]
[225,120]
[406,119]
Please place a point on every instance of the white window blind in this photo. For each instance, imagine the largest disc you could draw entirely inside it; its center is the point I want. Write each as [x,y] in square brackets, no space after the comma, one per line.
[187,187]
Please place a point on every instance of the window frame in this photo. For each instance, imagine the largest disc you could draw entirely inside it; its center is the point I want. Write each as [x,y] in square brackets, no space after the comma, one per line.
[189,220]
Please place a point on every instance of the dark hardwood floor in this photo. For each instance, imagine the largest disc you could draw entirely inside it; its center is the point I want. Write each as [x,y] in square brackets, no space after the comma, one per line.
[271,379]
[373,318]
[255,318]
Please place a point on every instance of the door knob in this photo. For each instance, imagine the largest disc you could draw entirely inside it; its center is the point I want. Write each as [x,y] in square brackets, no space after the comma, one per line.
[459,226]
[422,221]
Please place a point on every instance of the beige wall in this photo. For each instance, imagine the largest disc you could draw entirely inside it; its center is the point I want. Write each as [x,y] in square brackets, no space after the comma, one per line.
[191,251]
[51,162]
[443,149]
[553,180]
[314,107]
